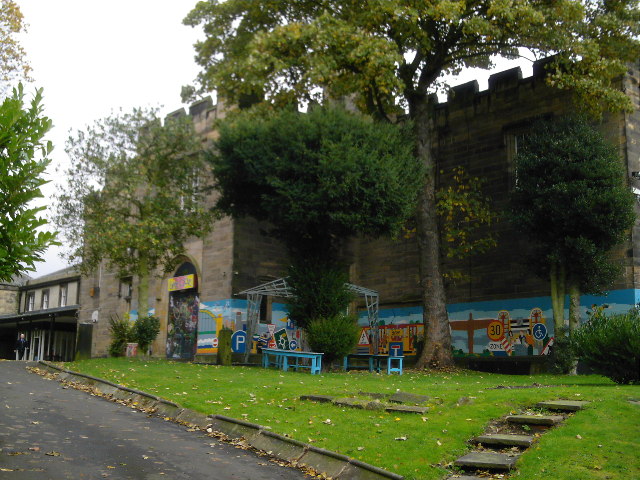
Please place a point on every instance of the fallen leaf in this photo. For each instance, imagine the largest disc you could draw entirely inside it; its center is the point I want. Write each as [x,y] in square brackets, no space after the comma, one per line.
[360,449]
[403,438]
[53,454]
[579,437]
[439,443]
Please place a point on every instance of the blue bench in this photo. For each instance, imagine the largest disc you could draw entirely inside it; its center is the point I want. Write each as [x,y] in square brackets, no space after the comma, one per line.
[375,362]
[281,359]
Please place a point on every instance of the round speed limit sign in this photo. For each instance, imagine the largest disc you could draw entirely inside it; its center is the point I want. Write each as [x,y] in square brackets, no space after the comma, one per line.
[495,330]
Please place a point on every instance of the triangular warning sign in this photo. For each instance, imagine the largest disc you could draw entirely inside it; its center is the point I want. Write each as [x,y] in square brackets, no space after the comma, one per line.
[364,338]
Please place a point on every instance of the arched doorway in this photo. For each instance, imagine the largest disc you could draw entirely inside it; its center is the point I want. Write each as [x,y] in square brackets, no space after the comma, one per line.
[182,323]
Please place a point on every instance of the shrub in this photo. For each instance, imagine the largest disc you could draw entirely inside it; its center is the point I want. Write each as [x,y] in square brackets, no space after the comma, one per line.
[145,331]
[562,358]
[121,331]
[610,345]
[334,336]
[318,288]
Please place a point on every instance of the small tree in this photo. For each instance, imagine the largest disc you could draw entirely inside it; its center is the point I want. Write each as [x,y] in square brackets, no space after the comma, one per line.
[133,196]
[13,64]
[572,200]
[145,331]
[318,178]
[23,160]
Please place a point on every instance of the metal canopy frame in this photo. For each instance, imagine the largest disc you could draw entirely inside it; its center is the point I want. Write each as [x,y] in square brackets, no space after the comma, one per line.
[280,288]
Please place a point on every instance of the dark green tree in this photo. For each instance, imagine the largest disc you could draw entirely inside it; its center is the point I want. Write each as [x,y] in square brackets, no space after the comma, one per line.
[572,199]
[393,55]
[23,160]
[318,178]
[134,195]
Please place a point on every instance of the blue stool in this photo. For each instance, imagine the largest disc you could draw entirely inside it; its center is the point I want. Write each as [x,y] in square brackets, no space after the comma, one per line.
[398,367]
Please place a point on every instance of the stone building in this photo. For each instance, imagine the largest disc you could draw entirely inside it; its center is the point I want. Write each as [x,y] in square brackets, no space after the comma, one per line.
[476,129]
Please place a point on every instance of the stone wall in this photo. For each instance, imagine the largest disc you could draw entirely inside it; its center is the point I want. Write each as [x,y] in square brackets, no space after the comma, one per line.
[8,299]
[476,130]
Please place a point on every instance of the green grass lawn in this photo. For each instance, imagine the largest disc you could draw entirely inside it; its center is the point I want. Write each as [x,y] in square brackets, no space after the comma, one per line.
[600,442]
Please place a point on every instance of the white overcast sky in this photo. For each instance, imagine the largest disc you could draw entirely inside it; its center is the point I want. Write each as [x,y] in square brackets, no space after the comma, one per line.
[92,58]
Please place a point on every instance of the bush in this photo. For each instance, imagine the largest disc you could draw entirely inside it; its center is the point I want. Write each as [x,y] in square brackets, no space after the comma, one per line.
[145,331]
[562,358]
[318,288]
[334,336]
[121,331]
[610,345]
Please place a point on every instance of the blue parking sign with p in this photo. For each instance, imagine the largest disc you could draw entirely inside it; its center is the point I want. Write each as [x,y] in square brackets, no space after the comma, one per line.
[239,341]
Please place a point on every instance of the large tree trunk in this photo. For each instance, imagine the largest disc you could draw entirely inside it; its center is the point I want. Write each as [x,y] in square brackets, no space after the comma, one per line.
[143,288]
[558,280]
[574,317]
[437,348]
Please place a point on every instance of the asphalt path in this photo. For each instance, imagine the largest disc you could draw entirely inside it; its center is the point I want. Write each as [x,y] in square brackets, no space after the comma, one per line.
[51,432]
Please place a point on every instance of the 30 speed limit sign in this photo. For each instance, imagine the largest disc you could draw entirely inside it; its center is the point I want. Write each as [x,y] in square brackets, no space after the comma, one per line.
[495,330]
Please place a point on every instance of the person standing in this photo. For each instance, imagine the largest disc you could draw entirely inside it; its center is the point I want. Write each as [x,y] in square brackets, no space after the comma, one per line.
[22,344]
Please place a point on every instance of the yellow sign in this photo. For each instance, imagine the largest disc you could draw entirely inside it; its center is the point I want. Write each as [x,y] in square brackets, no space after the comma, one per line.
[495,330]
[182,283]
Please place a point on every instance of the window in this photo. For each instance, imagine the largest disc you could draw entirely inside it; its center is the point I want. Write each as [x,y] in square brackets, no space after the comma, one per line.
[512,140]
[126,288]
[62,300]
[30,304]
[44,302]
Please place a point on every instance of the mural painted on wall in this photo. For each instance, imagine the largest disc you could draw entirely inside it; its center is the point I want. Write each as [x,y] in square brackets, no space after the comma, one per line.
[513,327]
[213,316]
[182,325]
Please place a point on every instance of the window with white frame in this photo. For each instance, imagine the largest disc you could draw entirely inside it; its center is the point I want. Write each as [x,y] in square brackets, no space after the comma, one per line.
[62,300]
[30,304]
[44,301]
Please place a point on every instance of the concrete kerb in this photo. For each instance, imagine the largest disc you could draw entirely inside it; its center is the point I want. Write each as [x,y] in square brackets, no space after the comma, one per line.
[330,463]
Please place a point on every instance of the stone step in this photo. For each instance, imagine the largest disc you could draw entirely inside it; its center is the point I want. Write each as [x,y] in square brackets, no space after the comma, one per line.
[564,405]
[405,397]
[407,409]
[487,460]
[504,440]
[318,398]
[546,420]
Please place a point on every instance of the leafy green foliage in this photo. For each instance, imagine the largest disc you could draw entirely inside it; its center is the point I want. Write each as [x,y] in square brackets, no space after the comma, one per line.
[12,56]
[397,49]
[334,336]
[23,160]
[145,331]
[121,330]
[572,200]
[134,194]
[318,286]
[562,357]
[610,345]
[317,177]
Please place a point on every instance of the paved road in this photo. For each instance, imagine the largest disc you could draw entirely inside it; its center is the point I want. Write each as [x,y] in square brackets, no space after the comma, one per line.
[47,432]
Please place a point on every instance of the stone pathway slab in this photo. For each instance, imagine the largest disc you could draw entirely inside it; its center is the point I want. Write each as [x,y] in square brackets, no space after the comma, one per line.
[487,460]
[407,409]
[506,440]
[564,405]
[547,420]
[404,397]
[318,398]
